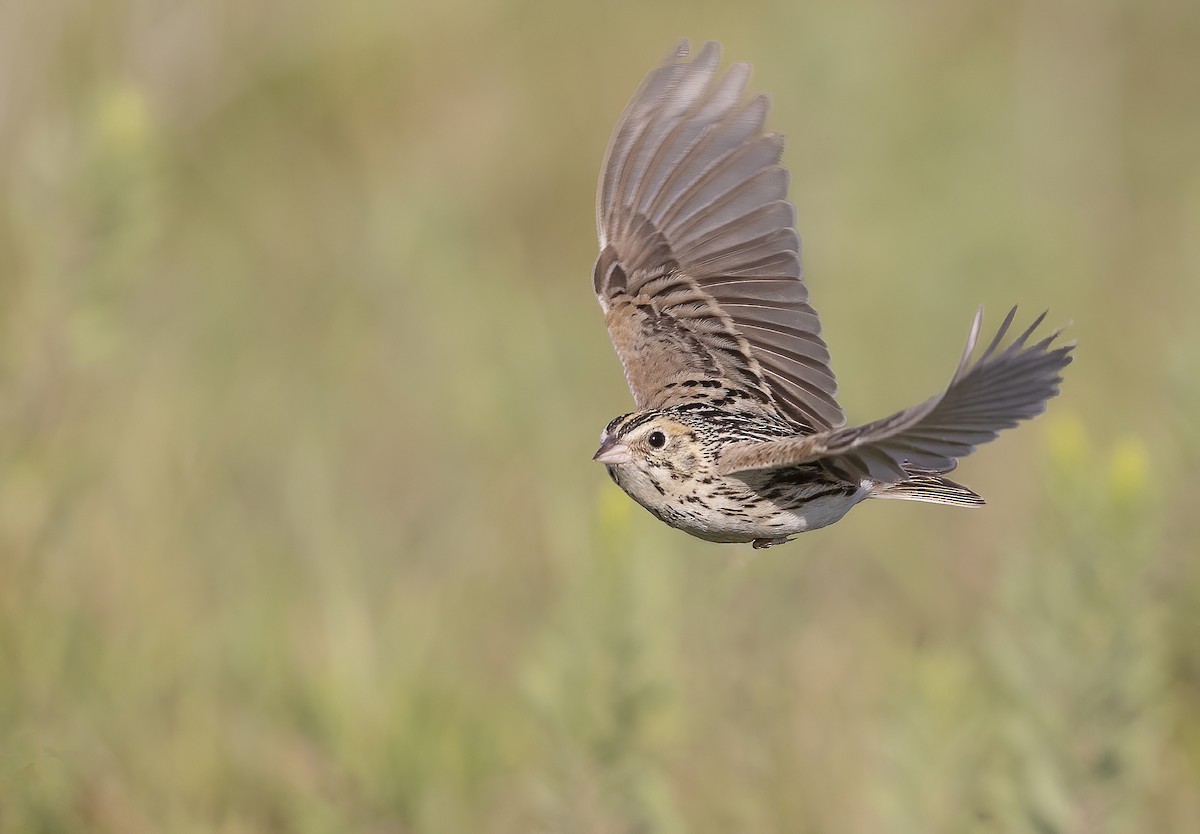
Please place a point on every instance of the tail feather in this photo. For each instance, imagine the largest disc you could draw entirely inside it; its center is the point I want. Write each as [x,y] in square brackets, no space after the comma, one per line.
[932,489]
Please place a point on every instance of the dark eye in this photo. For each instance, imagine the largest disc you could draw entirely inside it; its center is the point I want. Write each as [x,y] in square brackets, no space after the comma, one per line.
[657,439]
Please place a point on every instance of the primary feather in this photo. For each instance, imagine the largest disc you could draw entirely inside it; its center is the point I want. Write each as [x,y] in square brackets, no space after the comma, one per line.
[992,394]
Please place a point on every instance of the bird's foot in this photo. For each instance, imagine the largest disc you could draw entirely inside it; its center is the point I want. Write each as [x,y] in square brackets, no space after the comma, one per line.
[759,544]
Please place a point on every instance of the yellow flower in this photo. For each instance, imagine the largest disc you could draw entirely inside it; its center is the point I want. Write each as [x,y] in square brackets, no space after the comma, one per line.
[1067,442]
[123,120]
[1127,466]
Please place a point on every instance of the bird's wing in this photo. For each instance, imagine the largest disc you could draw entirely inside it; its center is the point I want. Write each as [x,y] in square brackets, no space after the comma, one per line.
[699,267]
[991,394]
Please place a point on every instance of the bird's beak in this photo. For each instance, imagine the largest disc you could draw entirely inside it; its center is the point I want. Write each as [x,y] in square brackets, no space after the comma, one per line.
[612,453]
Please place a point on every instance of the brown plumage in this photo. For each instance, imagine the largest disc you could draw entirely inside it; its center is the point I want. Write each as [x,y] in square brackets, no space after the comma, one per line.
[738,435]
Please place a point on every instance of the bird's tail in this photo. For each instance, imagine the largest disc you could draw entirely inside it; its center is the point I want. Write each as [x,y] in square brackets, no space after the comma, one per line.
[931,488]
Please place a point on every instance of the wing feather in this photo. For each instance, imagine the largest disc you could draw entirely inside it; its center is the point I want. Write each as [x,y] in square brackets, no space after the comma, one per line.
[984,397]
[699,269]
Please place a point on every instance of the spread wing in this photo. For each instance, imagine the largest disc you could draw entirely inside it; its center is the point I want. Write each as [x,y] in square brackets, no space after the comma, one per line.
[994,393]
[699,267]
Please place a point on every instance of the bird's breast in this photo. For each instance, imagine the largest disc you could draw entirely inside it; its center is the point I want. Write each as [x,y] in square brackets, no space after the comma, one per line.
[721,509]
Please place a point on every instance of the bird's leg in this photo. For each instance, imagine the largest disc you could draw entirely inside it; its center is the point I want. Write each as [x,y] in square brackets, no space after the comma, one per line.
[759,544]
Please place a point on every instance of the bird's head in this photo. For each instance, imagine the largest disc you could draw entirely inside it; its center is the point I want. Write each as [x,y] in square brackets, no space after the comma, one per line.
[651,445]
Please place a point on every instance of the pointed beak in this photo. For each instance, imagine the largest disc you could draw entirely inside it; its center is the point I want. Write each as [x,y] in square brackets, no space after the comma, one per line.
[612,453]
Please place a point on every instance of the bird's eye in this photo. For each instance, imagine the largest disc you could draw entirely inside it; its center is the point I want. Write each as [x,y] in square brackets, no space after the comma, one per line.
[657,439]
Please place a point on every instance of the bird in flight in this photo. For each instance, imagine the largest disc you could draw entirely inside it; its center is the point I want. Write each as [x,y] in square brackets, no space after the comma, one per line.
[738,436]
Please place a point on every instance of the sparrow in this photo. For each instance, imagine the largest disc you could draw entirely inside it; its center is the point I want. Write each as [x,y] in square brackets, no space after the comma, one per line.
[737,434]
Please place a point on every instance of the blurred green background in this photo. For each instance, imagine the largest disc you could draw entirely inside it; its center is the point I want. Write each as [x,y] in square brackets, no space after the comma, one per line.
[301,373]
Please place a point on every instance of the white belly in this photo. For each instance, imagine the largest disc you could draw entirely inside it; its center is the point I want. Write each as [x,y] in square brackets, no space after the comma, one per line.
[733,510]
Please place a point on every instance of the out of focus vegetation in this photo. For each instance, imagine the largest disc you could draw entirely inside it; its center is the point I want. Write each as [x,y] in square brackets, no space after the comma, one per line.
[300,375]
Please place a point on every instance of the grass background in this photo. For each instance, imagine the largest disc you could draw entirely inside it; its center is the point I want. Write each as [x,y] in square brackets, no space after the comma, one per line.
[300,375]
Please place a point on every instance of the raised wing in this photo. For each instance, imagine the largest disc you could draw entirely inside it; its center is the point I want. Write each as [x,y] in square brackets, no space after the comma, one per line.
[994,393]
[699,267]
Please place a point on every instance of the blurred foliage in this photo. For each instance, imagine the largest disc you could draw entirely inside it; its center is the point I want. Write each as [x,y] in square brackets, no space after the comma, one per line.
[300,374]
